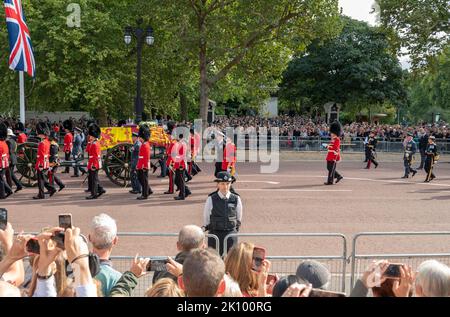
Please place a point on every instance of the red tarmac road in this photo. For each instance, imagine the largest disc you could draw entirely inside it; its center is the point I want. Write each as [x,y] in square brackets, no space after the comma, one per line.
[292,200]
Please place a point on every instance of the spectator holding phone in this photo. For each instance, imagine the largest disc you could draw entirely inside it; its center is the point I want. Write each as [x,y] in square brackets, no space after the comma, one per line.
[15,273]
[129,280]
[103,236]
[190,237]
[249,271]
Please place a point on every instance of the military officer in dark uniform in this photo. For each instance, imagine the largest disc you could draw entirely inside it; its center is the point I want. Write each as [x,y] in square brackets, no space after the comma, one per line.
[431,157]
[10,176]
[54,161]
[423,143]
[222,214]
[371,145]
[410,150]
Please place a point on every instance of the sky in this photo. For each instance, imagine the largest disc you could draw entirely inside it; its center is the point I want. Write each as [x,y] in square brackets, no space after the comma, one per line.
[360,10]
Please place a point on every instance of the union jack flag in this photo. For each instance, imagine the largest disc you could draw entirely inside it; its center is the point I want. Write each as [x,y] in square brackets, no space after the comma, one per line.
[21,56]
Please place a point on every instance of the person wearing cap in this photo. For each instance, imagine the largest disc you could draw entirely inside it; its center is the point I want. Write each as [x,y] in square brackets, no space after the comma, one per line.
[423,143]
[179,152]
[5,190]
[54,161]
[334,154]
[77,151]
[195,141]
[12,147]
[169,157]
[68,142]
[222,214]
[408,157]
[94,162]
[143,164]
[431,157]
[314,273]
[371,145]
[135,185]
[43,161]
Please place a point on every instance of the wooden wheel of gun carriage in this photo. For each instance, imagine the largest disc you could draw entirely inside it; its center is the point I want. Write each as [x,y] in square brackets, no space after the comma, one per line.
[116,158]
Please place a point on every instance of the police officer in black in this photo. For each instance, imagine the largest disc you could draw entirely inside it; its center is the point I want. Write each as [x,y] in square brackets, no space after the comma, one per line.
[431,157]
[371,145]
[408,157]
[223,213]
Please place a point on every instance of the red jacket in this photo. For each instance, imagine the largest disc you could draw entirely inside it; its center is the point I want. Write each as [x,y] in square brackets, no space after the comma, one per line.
[68,142]
[334,150]
[95,156]
[4,155]
[229,155]
[169,148]
[22,138]
[195,143]
[179,151]
[144,157]
[43,155]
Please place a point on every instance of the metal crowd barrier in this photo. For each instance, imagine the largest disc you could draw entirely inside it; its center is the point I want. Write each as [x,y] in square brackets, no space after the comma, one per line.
[360,262]
[123,263]
[286,265]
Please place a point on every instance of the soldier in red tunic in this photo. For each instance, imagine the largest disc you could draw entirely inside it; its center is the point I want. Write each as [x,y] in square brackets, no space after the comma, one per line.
[43,161]
[334,153]
[229,160]
[5,190]
[68,142]
[179,151]
[144,164]
[20,131]
[169,159]
[94,162]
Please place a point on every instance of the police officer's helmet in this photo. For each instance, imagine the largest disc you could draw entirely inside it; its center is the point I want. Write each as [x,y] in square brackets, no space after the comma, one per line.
[432,137]
[224,177]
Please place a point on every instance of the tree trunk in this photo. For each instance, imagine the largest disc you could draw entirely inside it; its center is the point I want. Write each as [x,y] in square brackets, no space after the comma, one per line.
[103,116]
[183,107]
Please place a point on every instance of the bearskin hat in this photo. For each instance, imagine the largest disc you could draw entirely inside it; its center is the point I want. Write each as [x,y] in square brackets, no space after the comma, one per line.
[42,128]
[336,128]
[94,131]
[144,132]
[53,135]
[68,125]
[3,131]
[19,127]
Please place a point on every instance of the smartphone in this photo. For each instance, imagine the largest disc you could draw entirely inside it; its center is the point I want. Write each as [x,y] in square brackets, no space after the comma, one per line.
[259,255]
[3,218]
[271,279]
[65,221]
[315,292]
[157,265]
[33,246]
[59,239]
[393,270]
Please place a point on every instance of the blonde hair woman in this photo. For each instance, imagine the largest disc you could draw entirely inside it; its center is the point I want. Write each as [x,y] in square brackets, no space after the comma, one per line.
[165,287]
[238,264]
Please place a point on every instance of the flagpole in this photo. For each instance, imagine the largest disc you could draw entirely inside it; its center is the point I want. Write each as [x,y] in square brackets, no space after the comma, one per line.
[22,96]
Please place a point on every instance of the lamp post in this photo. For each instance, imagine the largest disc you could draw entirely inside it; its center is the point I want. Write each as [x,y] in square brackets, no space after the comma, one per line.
[142,36]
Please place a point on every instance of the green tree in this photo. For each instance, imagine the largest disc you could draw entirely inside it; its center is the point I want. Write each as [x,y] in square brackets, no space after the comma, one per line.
[356,68]
[241,47]
[420,26]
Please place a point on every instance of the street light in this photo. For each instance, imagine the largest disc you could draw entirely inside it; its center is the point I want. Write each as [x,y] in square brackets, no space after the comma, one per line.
[141,37]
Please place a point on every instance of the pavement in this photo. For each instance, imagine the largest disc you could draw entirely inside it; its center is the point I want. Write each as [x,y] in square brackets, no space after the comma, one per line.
[293,200]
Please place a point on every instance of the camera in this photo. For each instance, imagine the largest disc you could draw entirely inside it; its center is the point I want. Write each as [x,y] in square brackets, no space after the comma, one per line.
[3,218]
[393,270]
[33,246]
[65,221]
[157,265]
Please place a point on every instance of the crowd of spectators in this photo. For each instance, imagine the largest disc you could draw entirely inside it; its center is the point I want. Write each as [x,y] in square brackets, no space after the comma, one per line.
[289,126]
[71,269]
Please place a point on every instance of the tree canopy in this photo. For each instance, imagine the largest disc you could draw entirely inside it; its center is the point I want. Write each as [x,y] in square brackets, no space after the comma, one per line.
[357,67]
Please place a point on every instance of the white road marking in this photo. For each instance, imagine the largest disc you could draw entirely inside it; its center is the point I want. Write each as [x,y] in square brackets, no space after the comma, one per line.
[291,190]
[351,178]
[267,182]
